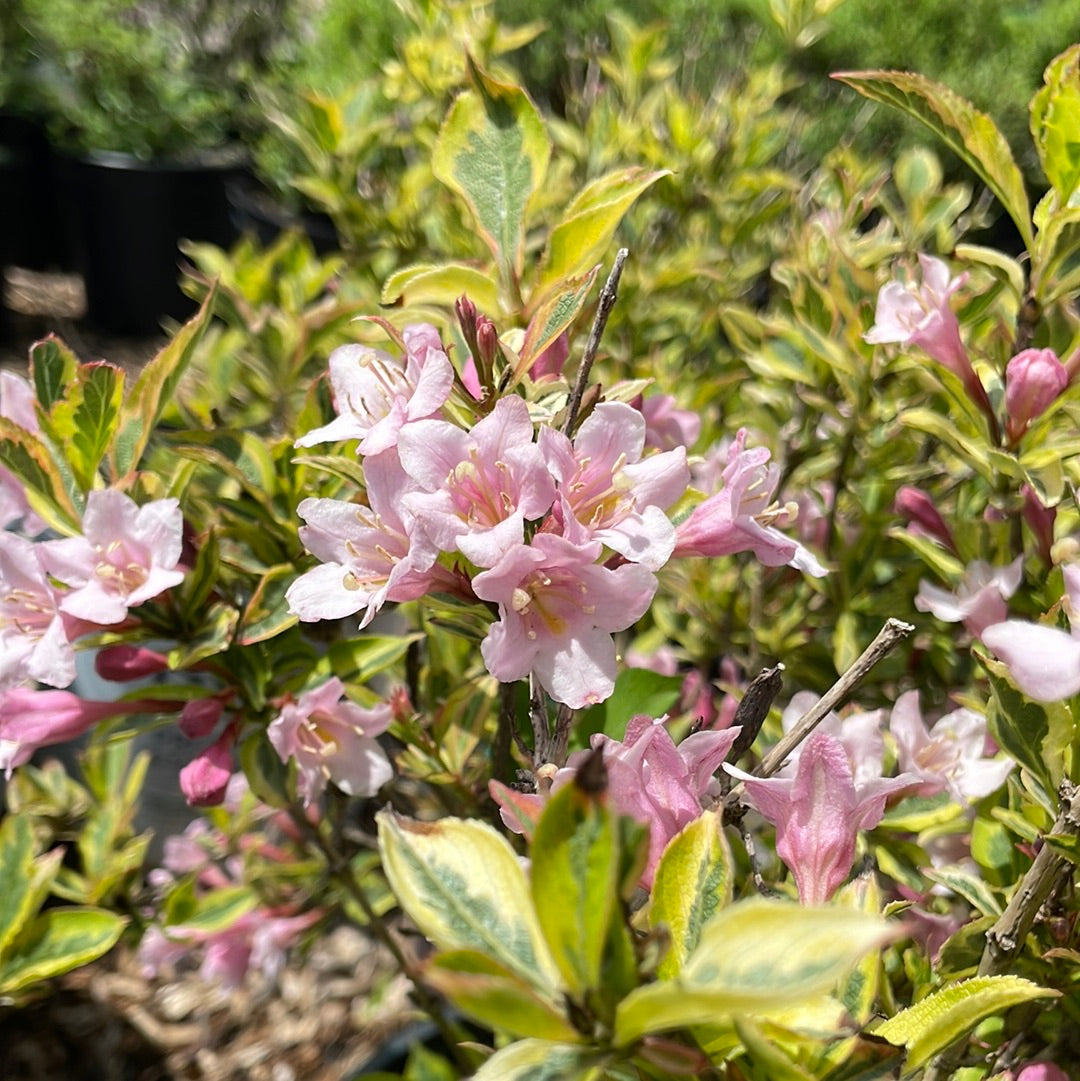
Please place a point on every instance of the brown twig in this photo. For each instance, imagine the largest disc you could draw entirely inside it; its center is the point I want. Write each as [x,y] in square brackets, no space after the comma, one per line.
[608,296]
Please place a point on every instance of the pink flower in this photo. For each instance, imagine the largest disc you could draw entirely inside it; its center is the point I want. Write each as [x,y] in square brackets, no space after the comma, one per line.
[549,364]
[818,814]
[741,516]
[951,755]
[617,496]
[979,602]
[376,394]
[1042,1071]
[17,405]
[206,777]
[666,425]
[474,490]
[126,555]
[1033,379]
[1044,662]
[33,640]
[923,518]
[911,314]
[858,732]
[557,609]
[331,740]
[370,555]
[30,719]
[649,778]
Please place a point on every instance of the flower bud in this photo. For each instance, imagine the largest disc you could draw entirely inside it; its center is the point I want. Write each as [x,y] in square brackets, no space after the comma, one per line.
[125,662]
[206,777]
[1033,379]
[551,361]
[1040,520]
[200,716]
[917,508]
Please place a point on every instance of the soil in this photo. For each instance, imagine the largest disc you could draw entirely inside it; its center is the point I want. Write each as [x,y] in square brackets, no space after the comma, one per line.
[328,1010]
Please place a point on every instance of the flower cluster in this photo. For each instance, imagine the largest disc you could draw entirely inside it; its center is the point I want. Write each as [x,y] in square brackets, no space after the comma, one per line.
[562,534]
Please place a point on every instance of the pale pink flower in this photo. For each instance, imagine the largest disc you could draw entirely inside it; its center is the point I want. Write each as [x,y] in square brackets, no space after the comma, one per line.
[1042,1071]
[370,555]
[818,814]
[17,405]
[30,719]
[979,601]
[949,756]
[557,609]
[617,496]
[376,394]
[1033,379]
[126,555]
[331,739]
[741,516]
[1044,662]
[858,732]
[666,425]
[33,640]
[649,778]
[474,490]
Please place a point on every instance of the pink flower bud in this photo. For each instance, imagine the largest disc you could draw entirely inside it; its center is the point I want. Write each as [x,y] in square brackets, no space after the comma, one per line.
[199,717]
[551,360]
[1033,379]
[1042,1071]
[922,516]
[125,662]
[1040,520]
[206,777]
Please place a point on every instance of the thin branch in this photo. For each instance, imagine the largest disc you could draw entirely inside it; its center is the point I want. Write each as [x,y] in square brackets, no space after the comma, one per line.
[538,718]
[608,296]
[1044,879]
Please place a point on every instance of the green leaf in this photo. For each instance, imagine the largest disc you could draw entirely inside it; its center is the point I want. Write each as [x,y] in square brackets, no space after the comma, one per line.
[97,408]
[941,1018]
[494,996]
[755,958]
[539,1060]
[155,388]
[1055,123]
[942,428]
[575,865]
[639,690]
[28,458]
[1034,733]
[268,613]
[16,863]
[693,882]
[970,134]
[356,660]
[461,883]
[972,888]
[220,909]
[584,235]
[213,636]
[442,283]
[555,314]
[56,942]
[493,151]
[52,370]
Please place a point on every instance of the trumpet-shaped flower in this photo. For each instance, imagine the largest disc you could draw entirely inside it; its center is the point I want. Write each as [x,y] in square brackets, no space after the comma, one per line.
[980,599]
[331,739]
[557,609]
[126,555]
[742,517]
[666,425]
[618,497]
[818,813]
[33,640]
[376,394]
[951,755]
[370,555]
[858,732]
[474,490]
[1044,662]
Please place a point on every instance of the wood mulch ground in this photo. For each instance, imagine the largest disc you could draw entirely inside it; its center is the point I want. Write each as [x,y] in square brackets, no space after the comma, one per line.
[323,1017]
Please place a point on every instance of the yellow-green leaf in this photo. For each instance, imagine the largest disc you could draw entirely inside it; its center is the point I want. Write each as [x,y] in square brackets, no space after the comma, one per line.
[52,369]
[754,958]
[970,134]
[938,1020]
[16,861]
[47,490]
[1055,123]
[539,1060]
[442,283]
[461,883]
[584,235]
[693,882]
[559,309]
[493,151]
[56,942]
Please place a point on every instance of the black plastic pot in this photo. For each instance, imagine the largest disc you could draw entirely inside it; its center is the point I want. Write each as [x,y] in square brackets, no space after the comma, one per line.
[255,211]
[128,216]
[33,233]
